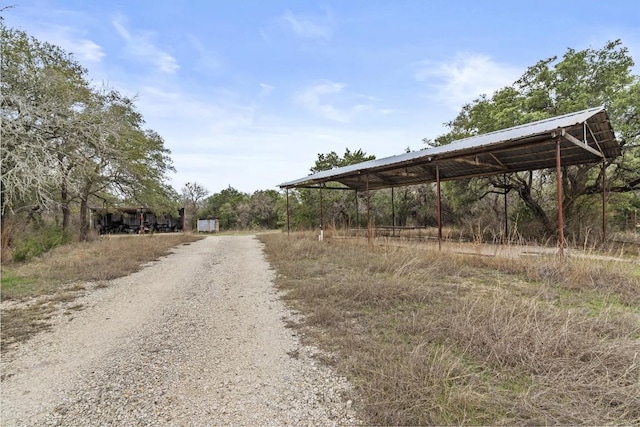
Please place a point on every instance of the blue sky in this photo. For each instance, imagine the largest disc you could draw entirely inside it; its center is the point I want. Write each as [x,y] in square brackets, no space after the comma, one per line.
[247,93]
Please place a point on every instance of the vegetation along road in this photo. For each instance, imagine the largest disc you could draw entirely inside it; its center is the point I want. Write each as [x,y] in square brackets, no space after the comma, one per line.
[197,338]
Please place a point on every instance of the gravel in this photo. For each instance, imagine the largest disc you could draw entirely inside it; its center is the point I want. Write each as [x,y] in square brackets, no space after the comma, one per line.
[197,338]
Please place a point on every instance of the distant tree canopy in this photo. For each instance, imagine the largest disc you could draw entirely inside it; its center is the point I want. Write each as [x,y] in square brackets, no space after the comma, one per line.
[264,209]
[66,142]
[332,160]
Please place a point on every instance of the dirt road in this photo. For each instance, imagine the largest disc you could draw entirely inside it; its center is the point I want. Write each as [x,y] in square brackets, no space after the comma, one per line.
[197,338]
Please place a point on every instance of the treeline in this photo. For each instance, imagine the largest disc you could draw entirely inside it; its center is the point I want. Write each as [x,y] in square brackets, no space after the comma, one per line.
[264,209]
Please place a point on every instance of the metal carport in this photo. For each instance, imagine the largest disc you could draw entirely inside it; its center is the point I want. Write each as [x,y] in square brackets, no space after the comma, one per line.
[577,138]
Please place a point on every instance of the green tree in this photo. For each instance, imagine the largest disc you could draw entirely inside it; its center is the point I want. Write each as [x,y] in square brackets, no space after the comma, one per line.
[42,86]
[579,80]
[65,142]
[264,208]
[223,206]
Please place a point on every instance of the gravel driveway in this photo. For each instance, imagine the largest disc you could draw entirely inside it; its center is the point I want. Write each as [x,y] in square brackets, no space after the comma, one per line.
[198,338]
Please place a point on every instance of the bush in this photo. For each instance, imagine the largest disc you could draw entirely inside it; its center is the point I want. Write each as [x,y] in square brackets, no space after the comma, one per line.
[41,241]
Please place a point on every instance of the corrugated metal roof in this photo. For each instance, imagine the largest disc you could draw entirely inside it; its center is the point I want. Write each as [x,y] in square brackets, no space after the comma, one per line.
[526,147]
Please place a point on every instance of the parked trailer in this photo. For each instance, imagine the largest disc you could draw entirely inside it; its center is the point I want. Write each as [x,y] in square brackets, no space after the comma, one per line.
[134,220]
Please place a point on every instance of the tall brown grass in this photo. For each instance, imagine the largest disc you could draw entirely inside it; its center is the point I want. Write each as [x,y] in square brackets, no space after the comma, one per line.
[431,337]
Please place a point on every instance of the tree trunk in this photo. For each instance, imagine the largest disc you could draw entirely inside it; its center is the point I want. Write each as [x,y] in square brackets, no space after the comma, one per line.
[84,210]
[524,191]
[64,205]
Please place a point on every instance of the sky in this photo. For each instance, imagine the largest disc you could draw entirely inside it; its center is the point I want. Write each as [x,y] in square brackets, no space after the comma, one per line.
[247,93]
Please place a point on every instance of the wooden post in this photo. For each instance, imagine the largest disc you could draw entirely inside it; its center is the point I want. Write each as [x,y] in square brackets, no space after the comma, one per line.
[559,191]
[439,207]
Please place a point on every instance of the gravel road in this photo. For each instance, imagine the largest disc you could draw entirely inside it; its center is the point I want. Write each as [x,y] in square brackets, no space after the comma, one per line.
[197,338]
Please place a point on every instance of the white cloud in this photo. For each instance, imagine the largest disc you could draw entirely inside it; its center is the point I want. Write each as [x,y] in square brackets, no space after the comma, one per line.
[465,77]
[310,98]
[139,45]
[329,100]
[266,89]
[83,49]
[306,27]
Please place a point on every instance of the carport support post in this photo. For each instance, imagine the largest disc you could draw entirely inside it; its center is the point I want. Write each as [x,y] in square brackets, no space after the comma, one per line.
[506,217]
[321,215]
[288,223]
[369,230]
[604,203]
[393,215]
[559,191]
[357,213]
[439,207]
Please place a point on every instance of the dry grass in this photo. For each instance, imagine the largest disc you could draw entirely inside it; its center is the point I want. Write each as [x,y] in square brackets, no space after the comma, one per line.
[432,337]
[104,259]
[55,279]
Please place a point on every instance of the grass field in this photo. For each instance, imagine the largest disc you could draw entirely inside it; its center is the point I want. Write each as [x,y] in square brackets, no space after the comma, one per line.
[431,337]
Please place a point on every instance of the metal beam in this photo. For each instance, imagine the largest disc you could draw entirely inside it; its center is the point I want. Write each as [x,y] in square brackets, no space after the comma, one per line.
[580,144]
[476,162]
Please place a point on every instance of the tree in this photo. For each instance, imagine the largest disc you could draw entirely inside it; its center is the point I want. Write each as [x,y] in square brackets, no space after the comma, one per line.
[223,206]
[41,85]
[192,196]
[264,213]
[580,80]
[64,141]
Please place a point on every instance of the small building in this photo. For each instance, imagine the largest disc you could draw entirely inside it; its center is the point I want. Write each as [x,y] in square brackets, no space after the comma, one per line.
[208,225]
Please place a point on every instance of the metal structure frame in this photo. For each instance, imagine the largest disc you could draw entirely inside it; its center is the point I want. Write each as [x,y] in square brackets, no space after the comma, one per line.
[583,137]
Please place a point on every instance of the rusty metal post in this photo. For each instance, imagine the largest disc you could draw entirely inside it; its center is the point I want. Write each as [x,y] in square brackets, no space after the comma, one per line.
[439,207]
[369,230]
[604,202]
[393,215]
[288,223]
[506,212]
[357,213]
[321,211]
[559,191]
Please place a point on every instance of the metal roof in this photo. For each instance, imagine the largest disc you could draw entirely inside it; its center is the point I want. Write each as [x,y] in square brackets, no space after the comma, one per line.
[526,147]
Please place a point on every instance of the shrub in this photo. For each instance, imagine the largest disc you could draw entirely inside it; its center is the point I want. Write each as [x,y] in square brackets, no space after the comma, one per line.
[41,241]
